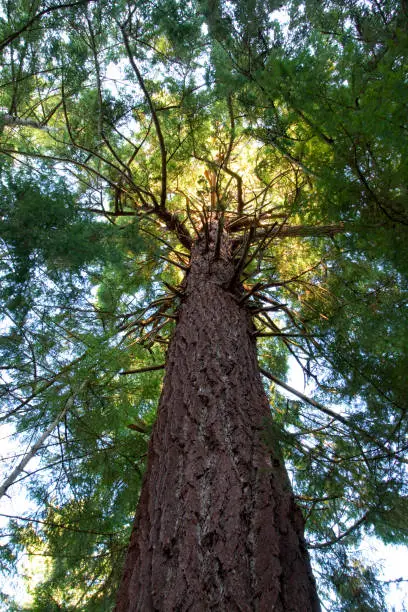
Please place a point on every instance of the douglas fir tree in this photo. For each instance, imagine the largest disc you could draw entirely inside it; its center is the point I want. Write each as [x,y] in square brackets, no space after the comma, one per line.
[194,196]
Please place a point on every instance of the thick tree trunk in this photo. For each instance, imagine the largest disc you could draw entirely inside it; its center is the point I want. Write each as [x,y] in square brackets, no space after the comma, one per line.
[217,527]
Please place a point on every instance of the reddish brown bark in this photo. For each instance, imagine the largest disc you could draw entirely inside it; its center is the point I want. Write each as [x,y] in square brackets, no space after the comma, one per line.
[217,526]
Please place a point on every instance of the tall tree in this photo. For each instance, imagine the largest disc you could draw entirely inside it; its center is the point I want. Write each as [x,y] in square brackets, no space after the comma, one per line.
[202,190]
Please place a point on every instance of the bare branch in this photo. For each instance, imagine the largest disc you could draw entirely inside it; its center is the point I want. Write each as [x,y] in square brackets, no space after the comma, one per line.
[33,450]
[332,414]
[240,265]
[342,535]
[304,231]
[14,121]
[145,369]
[175,263]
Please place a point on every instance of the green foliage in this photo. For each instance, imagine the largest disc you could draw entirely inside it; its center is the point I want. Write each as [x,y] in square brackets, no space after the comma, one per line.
[361,592]
[103,107]
[41,225]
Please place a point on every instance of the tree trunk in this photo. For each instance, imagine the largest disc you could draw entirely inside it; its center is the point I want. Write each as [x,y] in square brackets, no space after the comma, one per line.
[217,527]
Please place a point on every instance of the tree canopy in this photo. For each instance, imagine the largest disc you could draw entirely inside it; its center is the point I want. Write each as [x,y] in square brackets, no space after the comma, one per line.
[126,128]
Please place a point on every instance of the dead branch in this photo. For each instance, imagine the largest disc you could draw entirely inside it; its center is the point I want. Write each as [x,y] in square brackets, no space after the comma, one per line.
[342,535]
[242,260]
[352,426]
[173,289]
[151,368]
[250,292]
[306,231]
[220,228]
[174,263]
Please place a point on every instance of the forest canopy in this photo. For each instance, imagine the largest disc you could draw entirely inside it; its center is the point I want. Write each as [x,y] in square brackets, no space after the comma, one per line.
[127,129]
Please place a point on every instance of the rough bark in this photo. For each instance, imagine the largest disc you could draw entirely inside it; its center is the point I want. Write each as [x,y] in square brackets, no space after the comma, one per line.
[217,527]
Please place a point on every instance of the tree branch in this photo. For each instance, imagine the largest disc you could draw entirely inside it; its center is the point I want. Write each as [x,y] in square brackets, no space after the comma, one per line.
[342,535]
[155,118]
[161,366]
[57,525]
[332,414]
[304,231]
[13,120]
[38,16]
[33,450]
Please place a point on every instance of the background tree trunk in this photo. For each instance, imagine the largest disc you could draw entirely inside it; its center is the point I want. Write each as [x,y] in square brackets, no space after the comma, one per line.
[217,527]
